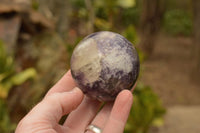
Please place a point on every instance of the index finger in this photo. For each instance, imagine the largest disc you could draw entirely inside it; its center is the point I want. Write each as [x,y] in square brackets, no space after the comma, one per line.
[66,83]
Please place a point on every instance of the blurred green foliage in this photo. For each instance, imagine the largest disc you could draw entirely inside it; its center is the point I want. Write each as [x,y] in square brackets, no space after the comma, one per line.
[147,110]
[178,22]
[109,12]
[6,126]
[131,34]
[8,79]
[5,61]
[126,3]
[8,76]
[131,15]
[70,46]
[35,4]
[102,24]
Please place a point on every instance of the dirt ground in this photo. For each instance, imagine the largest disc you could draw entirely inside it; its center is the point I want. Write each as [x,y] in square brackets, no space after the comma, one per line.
[181,119]
[168,71]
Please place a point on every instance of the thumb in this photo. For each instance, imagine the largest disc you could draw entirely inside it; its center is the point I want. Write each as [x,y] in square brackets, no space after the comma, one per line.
[54,106]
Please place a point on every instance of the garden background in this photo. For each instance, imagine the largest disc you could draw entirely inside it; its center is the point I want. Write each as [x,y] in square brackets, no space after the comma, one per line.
[37,38]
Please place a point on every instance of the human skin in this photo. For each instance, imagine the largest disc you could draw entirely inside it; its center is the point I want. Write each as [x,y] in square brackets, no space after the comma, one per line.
[65,98]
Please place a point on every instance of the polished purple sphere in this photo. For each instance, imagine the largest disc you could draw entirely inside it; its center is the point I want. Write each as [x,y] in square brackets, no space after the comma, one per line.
[103,64]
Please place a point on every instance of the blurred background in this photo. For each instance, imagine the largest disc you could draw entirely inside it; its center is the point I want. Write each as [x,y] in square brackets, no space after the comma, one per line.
[37,38]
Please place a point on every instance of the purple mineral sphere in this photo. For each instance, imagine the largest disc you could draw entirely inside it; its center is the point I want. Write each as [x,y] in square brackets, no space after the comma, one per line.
[103,64]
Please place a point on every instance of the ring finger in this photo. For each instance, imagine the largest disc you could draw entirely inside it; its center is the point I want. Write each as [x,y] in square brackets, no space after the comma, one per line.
[102,117]
[83,115]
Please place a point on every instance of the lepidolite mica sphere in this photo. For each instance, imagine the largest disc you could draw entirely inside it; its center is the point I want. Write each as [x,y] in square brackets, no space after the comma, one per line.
[103,64]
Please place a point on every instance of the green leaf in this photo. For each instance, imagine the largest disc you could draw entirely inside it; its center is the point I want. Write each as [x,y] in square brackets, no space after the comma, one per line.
[23,76]
[102,24]
[158,122]
[126,3]
[15,80]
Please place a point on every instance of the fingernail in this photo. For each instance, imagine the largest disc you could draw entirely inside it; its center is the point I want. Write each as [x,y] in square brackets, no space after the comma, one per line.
[74,90]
